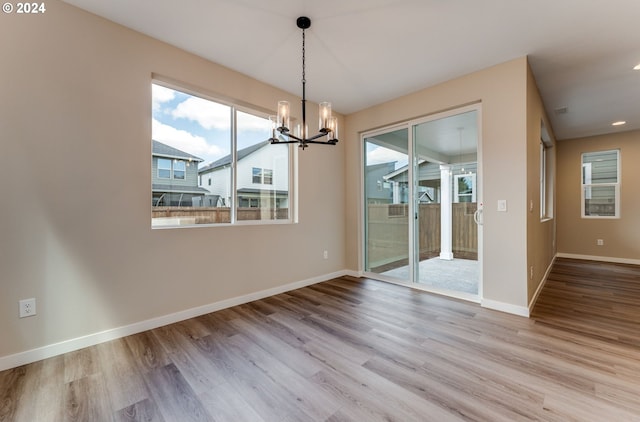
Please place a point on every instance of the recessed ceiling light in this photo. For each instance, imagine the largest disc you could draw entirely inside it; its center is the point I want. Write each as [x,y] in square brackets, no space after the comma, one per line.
[619,123]
[636,67]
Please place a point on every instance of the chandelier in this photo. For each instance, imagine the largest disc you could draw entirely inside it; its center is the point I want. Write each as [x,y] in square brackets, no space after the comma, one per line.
[280,124]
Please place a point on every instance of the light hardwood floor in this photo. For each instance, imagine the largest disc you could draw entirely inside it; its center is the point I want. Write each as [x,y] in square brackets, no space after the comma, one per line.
[362,350]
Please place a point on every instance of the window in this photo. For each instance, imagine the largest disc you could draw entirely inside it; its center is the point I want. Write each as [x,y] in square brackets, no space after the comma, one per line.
[546,174]
[262,176]
[172,169]
[601,184]
[267,177]
[179,169]
[164,168]
[257,175]
[464,187]
[208,156]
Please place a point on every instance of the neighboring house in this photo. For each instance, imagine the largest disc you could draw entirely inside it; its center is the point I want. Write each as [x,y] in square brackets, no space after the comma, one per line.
[377,188]
[263,178]
[174,177]
[463,182]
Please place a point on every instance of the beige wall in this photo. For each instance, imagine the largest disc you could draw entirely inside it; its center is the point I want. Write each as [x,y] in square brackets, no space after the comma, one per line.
[502,89]
[541,241]
[75,127]
[576,235]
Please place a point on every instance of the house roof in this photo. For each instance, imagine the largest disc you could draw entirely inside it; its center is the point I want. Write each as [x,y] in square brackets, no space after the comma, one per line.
[157,187]
[163,150]
[225,161]
[251,191]
[374,167]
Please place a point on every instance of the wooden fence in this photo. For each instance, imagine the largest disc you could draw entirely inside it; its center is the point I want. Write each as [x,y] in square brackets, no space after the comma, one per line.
[388,233]
[214,215]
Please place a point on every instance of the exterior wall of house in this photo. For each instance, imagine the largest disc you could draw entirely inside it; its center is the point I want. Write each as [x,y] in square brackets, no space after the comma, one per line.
[502,90]
[191,175]
[577,236]
[220,183]
[264,159]
[75,228]
[378,190]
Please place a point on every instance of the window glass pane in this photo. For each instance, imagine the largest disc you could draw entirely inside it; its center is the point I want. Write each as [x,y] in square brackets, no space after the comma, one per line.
[268,176]
[192,136]
[464,184]
[600,201]
[179,169]
[386,190]
[600,183]
[547,173]
[164,168]
[262,170]
[257,175]
[600,167]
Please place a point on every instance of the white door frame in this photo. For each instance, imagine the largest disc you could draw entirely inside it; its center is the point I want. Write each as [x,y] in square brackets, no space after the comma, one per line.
[409,124]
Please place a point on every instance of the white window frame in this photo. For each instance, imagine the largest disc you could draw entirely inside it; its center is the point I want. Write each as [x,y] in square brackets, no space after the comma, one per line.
[586,184]
[170,167]
[174,164]
[457,194]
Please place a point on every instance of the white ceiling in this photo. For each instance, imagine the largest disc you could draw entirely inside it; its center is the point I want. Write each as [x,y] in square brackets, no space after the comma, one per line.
[364,52]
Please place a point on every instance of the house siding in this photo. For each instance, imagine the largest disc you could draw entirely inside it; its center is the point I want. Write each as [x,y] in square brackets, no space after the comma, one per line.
[262,158]
[191,175]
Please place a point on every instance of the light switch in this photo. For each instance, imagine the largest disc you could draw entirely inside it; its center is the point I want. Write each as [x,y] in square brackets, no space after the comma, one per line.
[502,205]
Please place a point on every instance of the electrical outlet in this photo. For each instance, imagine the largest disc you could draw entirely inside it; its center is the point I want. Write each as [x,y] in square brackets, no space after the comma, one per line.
[325,254]
[531,273]
[27,307]
[600,242]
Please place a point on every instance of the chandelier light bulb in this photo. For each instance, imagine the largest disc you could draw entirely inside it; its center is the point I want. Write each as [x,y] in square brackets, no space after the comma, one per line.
[333,129]
[283,116]
[325,116]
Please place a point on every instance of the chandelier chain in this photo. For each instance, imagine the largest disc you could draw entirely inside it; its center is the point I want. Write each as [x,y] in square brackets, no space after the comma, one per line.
[304,79]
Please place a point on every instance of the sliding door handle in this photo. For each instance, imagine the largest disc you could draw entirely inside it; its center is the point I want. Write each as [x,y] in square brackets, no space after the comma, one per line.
[477,216]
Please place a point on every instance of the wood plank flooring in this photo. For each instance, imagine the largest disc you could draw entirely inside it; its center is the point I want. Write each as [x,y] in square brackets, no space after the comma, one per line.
[361,350]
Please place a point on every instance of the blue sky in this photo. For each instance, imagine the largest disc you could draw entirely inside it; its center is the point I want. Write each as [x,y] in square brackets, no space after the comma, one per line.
[201,127]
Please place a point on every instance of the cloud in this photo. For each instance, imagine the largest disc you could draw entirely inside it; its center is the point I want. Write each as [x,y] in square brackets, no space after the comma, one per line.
[186,141]
[208,114]
[160,94]
[251,123]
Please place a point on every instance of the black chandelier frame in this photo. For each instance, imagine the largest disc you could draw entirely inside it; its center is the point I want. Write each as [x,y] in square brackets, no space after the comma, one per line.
[279,126]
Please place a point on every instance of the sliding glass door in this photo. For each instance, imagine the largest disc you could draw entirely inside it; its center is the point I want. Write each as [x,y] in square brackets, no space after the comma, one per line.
[445,182]
[422,220]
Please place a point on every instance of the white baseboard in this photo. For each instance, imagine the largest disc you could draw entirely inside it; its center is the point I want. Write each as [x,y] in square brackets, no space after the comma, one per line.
[505,307]
[351,273]
[534,299]
[600,258]
[29,356]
